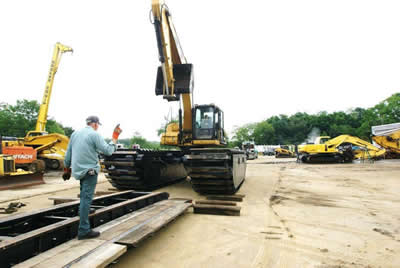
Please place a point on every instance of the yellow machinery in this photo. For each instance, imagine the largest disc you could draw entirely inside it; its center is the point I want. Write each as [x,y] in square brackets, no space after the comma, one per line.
[11,178]
[388,137]
[50,147]
[284,151]
[342,149]
[199,133]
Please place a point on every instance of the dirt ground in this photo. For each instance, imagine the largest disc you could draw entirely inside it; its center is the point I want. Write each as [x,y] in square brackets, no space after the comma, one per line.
[293,215]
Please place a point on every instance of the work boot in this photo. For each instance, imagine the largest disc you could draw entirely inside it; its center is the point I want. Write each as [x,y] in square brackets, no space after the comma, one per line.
[91,234]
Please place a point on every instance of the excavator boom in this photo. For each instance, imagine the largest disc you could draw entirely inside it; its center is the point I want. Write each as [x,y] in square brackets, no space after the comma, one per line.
[174,75]
[50,148]
[343,148]
[59,49]
[388,137]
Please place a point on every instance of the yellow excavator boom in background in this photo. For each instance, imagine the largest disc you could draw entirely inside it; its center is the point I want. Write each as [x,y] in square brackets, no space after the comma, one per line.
[388,137]
[59,49]
[50,147]
[342,149]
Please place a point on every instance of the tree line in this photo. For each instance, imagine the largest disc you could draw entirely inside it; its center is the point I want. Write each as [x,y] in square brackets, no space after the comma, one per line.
[300,127]
[16,120]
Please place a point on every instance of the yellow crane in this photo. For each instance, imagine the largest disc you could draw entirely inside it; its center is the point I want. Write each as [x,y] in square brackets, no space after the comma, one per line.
[50,147]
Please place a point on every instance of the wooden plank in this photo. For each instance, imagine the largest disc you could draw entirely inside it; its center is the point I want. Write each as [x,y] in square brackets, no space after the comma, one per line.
[217,210]
[37,232]
[216,202]
[188,200]
[237,198]
[62,254]
[135,221]
[66,251]
[2,237]
[101,257]
[101,251]
[61,200]
[153,225]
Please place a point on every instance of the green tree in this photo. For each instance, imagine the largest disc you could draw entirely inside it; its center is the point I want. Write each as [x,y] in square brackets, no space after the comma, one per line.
[264,133]
[295,129]
[16,120]
[68,131]
[241,134]
[144,144]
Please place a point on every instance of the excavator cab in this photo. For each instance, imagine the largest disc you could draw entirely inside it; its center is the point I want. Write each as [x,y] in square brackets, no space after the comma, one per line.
[208,123]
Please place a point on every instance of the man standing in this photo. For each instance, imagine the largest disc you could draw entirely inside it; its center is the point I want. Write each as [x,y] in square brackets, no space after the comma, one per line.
[82,160]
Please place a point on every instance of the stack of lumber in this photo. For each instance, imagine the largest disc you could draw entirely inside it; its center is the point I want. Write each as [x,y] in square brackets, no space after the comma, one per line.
[219,205]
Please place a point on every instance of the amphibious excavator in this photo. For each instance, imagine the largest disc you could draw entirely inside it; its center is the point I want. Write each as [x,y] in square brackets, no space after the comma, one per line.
[50,148]
[342,149]
[199,134]
[388,137]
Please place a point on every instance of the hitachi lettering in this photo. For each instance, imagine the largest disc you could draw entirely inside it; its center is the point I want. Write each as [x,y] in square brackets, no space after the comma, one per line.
[23,156]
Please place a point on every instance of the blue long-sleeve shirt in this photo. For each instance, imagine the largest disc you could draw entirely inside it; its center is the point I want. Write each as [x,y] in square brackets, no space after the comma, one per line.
[83,151]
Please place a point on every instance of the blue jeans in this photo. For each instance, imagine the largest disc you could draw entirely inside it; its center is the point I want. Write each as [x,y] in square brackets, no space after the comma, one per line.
[88,185]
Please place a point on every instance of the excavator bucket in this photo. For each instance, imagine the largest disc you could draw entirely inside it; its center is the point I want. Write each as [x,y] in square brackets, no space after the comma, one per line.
[183,76]
[20,180]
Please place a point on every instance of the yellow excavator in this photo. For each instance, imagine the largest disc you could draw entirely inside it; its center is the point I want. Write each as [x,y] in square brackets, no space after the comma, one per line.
[284,151]
[388,137]
[50,148]
[199,134]
[342,149]
[12,177]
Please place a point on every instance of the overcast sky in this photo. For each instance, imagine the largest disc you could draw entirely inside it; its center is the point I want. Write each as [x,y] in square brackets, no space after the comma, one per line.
[254,59]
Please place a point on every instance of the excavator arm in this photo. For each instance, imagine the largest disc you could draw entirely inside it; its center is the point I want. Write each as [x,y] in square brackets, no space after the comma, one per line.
[174,75]
[59,49]
[390,141]
[363,149]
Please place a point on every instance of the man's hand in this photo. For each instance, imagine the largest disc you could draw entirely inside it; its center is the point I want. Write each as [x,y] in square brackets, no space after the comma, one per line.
[117,131]
[67,174]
